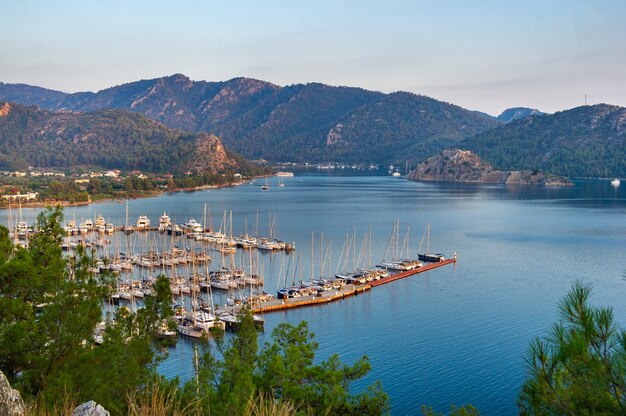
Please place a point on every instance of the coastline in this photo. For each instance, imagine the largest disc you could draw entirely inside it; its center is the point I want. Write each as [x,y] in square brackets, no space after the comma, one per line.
[64,204]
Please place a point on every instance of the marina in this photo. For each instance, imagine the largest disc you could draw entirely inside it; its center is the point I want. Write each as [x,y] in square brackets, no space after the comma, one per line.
[488,304]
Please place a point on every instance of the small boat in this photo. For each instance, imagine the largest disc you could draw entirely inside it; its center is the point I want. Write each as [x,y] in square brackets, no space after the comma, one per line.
[615,182]
[265,186]
[280,182]
[396,174]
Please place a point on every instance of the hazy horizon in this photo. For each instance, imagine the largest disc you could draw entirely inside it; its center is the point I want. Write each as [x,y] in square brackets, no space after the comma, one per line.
[486,56]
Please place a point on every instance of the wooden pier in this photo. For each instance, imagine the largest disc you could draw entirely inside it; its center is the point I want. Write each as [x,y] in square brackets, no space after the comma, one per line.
[325,297]
[408,273]
[332,295]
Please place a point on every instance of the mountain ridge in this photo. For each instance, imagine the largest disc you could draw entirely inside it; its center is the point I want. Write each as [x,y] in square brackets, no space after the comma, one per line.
[291,123]
[111,138]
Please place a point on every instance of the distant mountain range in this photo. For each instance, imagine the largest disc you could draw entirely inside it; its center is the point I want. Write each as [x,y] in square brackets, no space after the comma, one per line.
[316,123]
[304,122]
[106,138]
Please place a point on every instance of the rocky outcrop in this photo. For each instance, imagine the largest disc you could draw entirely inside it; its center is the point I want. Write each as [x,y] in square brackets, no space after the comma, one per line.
[455,165]
[90,408]
[210,155]
[11,403]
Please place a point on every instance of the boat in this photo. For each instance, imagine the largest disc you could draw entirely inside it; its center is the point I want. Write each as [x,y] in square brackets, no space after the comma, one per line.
[174,229]
[192,226]
[615,182]
[21,229]
[427,256]
[396,174]
[142,223]
[280,182]
[164,222]
[284,174]
[187,329]
[88,224]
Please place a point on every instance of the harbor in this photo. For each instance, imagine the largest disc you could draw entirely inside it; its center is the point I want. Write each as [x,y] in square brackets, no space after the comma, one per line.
[213,272]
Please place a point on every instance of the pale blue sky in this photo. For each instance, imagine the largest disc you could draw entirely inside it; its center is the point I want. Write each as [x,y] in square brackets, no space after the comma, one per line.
[482,55]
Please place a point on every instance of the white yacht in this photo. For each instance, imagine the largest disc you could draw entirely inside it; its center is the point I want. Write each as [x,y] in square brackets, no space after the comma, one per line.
[193,226]
[143,222]
[164,222]
[615,182]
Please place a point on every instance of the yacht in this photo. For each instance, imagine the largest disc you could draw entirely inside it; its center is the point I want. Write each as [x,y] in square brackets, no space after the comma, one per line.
[615,182]
[21,229]
[142,223]
[100,222]
[164,222]
[285,174]
[192,226]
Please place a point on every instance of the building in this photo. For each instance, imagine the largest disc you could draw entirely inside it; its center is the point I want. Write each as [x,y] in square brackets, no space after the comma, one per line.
[29,196]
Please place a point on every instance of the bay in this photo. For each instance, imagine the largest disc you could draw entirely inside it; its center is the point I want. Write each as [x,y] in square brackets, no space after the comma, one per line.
[454,335]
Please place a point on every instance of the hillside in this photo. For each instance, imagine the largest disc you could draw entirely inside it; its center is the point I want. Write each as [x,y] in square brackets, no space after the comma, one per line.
[588,141]
[304,122]
[107,138]
[455,165]
[516,113]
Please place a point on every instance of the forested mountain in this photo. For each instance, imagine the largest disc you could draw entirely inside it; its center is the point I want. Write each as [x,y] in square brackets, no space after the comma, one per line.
[106,138]
[515,113]
[588,141]
[316,122]
[304,122]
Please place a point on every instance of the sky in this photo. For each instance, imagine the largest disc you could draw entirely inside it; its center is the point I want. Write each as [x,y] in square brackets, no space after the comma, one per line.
[481,55]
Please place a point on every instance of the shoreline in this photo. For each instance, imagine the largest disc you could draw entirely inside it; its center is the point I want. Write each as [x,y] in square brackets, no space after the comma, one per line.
[66,204]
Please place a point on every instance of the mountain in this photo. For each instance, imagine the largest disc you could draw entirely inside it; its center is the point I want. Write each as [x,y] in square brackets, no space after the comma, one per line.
[587,141]
[515,113]
[455,165]
[106,138]
[303,122]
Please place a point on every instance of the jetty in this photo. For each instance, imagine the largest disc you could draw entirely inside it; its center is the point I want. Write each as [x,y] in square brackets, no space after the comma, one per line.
[332,295]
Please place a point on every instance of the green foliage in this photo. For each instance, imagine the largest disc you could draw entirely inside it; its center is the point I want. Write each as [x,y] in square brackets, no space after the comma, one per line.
[580,368]
[283,370]
[581,142]
[468,410]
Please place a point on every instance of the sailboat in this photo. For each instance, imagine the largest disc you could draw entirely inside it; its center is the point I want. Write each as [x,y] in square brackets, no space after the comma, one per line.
[397,263]
[280,182]
[427,256]
[265,186]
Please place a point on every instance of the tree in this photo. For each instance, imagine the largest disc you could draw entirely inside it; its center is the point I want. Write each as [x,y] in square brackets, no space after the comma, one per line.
[283,372]
[49,308]
[580,368]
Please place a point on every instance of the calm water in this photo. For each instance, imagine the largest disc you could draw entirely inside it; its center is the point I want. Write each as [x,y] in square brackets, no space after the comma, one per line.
[452,335]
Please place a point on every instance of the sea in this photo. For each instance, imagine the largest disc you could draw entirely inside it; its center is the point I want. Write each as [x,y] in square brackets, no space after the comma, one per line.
[458,334]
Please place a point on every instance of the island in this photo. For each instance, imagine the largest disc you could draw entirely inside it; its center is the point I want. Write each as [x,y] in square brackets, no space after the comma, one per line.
[456,165]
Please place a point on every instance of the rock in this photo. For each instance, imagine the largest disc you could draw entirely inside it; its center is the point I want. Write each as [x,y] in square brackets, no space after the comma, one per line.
[90,408]
[11,403]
